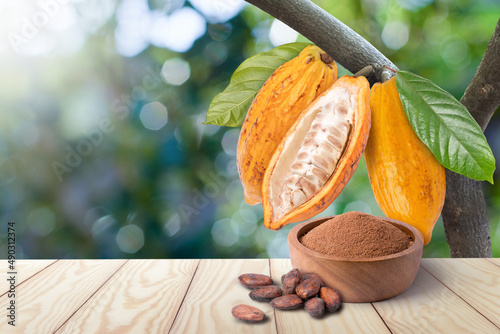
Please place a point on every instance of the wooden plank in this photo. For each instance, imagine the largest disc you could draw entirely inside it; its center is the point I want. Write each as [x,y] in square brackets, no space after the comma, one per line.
[49,298]
[477,281]
[25,269]
[143,297]
[428,306]
[213,293]
[351,318]
[495,261]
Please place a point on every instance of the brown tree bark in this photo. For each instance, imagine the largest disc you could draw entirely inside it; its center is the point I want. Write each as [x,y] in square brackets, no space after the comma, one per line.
[464,214]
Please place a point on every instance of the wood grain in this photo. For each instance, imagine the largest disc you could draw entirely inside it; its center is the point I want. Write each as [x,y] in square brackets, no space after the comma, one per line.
[213,293]
[351,318]
[495,261]
[428,306]
[143,297]
[477,281]
[51,297]
[25,269]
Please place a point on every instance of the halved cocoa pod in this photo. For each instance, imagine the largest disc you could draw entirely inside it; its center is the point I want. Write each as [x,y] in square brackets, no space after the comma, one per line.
[315,307]
[254,280]
[313,275]
[288,302]
[277,105]
[248,313]
[266,293]
[308,288]
[331,298]
[290,281]
[318,155]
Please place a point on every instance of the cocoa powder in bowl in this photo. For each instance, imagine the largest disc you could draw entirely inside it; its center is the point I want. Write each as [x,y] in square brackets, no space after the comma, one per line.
[356,235]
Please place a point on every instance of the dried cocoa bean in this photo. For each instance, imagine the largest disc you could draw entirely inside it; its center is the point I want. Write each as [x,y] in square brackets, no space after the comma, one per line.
[248,313]
[313,275]
[255,280]
[308,288]
[291,280]
[266,293]
[315,307]
[287,302]
[331,298]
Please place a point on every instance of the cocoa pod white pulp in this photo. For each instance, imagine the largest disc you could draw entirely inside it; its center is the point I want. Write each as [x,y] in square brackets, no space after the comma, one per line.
[318,155]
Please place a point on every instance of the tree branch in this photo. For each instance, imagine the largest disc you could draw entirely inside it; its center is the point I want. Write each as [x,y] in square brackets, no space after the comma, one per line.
[342,43]
[464,214]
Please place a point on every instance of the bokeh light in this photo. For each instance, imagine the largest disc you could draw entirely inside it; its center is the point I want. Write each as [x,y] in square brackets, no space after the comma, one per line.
[154,116]
[414,5]
[219,31]
[217,11]
[173,225]
[102,225]
[42,221]
[133,22]
[225,232]
[175,71]
[230,141]
[130,239]
[395,35]
[436,28]
[177,31]
[216,52]
[455,53]
[280,33]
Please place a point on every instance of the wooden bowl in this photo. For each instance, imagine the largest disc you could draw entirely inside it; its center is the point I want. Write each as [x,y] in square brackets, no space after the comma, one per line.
[359,280]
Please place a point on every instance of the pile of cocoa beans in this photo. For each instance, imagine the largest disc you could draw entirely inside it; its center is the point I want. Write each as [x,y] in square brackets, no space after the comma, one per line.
[307,290]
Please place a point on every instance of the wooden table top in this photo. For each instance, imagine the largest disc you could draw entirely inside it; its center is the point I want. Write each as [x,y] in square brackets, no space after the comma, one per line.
[196,296]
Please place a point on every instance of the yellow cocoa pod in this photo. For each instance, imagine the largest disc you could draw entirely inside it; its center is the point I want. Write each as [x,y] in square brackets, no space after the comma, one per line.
[318,155]
[288,91]
[408,182]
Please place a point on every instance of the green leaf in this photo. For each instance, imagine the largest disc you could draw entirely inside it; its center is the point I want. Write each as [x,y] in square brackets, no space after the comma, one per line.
[445,126]
[230,107]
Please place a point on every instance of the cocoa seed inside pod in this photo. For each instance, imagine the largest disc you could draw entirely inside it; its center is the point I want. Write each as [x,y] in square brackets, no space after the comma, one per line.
[318,155]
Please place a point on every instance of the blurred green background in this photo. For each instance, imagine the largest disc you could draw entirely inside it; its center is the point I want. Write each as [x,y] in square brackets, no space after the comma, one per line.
[102,149]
